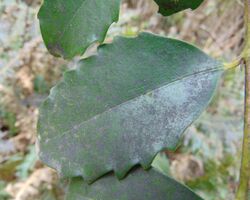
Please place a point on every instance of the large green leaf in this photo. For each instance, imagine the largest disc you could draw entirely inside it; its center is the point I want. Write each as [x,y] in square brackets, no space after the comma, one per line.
[139,185]
[69,27]
[121,107]
[169,7]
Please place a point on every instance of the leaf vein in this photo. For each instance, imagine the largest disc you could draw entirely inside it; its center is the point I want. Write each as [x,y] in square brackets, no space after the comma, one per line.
[77,126]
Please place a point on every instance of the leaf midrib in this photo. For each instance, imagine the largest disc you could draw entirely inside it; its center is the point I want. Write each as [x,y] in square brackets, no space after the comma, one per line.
[218,68]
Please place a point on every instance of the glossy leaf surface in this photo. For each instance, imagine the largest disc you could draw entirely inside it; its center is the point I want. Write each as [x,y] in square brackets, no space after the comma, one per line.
[139,185]
[70,27]
[121,107]
[169,7]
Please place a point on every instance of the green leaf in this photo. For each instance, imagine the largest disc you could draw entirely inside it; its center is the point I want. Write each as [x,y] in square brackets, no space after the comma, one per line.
[28,164]
[139,185]
[161,163]
[70,27]
[123,106]
[169,7]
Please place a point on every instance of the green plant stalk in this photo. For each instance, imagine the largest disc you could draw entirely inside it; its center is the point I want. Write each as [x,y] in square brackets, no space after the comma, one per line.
[243,190]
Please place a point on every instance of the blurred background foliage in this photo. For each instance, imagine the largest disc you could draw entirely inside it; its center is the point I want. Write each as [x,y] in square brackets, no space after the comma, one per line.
[207,160]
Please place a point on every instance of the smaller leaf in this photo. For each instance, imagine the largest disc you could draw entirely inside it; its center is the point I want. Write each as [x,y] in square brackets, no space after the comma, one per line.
[28,164]
[70,27]
[139,185]
[169,7]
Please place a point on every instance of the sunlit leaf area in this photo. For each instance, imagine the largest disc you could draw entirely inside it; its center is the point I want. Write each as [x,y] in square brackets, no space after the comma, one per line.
[207,159]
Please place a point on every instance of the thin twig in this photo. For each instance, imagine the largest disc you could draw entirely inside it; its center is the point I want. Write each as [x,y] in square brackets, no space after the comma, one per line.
[243,190]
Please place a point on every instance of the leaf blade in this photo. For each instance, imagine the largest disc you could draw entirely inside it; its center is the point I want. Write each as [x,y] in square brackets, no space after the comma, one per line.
[140,185]
[70,27]
[169,7]
[118,110]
